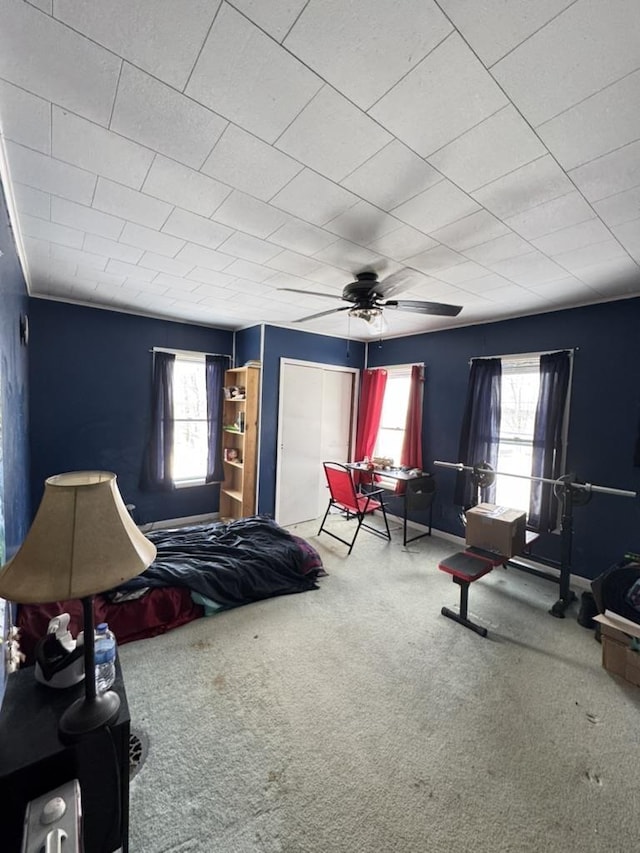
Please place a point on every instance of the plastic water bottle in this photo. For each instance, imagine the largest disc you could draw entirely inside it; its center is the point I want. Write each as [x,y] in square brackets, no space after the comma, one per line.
[105,656]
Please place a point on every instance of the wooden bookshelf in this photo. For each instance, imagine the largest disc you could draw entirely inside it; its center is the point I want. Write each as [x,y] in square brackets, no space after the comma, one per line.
[240,441]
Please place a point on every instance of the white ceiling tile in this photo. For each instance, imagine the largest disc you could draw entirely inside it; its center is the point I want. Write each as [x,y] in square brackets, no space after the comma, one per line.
[130,204]
[318,139]
[341,42]
[328,275]
[619,208]
[91,147]
[612,173]
[470,231]
[275,17]
[75,256]
[590,45]
[42,229]
[85,218]
[446,94]
[302,237]
[402,243]
[240,69]
[205,275]
[184,187]
[461,273]
[155,115]
[530,185]
[62,66]
[111,249]
[484,283]
[494,27]
[613,277]
[569,286]
[249,248]
[488,151]
[174,282]
[432,260]
[577,259]
[202,257]
[348,256]
[629,235]
[160,36]
[245,213]
[575,237]
[393,175]
[570,209]
[249,164]
[248,270]
[43,173]
[151,241]
[26,119]
[161,263]
[530,269]
[363,223]
[436,207]
[35,202]
[130,271]
[314,198]
[293,263]
[587,130]
[197,229]
[45,5]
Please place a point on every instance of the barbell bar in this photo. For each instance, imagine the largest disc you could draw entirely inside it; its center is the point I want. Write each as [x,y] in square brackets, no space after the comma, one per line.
[481,470]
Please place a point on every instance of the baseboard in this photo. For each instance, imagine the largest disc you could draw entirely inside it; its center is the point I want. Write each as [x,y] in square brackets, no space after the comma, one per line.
[164,523]
[578,581]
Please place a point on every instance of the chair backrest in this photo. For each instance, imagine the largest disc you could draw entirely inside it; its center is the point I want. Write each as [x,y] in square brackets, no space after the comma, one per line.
[341,485]
[420,491]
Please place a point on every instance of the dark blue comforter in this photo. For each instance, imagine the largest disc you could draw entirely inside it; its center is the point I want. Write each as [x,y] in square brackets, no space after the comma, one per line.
[231,563]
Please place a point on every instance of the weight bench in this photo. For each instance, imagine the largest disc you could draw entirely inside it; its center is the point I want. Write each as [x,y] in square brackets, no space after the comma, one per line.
[465,568]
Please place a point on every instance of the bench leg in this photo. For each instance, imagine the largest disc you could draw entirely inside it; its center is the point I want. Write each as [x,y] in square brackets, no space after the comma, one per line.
[461,617]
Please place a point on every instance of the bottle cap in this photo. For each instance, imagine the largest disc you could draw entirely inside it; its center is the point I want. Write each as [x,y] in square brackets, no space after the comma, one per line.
[102,627]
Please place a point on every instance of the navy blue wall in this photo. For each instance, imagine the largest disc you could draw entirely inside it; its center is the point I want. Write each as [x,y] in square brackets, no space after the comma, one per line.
[605,407]
[90,385]
[287,343]
[248,345]
[14,460]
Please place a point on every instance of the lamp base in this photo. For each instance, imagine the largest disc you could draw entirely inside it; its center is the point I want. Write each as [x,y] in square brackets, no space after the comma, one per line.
[85,716]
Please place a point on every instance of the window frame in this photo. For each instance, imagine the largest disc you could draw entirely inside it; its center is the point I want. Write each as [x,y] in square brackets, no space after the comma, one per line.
[197,358]
[400,371]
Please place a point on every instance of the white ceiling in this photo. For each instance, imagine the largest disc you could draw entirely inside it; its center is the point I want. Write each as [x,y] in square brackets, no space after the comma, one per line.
[188,158]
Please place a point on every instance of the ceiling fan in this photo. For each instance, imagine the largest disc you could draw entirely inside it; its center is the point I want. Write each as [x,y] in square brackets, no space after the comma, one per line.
[364,297]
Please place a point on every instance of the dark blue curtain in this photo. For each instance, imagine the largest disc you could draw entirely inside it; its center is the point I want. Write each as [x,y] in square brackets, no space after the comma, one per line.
[480,432]
[156,470]
[547,438]
[215,368]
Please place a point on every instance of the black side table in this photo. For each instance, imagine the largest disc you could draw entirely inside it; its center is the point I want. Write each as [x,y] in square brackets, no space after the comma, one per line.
[33,760]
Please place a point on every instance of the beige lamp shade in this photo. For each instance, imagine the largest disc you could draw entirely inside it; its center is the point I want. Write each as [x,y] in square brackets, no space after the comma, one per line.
[82,541]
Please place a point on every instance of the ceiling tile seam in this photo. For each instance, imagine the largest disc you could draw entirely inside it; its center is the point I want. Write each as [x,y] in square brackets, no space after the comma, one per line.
[531,35]
[619,192]
[298,16]
[299,113]
[464,133]
[115,98]
[197,59]
[410,70]
[48,14]
[600,156]
[587,98]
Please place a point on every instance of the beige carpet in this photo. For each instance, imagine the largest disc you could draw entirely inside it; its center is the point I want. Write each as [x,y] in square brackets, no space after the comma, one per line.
[357,719]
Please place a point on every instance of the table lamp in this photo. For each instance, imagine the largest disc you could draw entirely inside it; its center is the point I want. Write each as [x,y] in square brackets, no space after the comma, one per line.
[82,541]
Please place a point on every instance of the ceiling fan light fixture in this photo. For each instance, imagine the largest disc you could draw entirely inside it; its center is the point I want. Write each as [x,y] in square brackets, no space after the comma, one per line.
[368,314]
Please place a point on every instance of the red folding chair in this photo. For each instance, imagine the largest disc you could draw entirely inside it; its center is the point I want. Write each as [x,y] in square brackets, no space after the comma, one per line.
[343,496]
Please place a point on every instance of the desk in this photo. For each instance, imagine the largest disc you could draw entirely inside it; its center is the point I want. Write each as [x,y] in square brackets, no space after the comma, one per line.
[418,493]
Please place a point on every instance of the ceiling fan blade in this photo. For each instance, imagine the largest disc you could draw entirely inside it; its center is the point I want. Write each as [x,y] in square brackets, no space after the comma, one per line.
[439,309]
[395,282]
[323,313]
[310,292]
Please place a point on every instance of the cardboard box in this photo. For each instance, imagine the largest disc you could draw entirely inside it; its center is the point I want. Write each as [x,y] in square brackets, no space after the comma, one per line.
[497,529]
[618,655]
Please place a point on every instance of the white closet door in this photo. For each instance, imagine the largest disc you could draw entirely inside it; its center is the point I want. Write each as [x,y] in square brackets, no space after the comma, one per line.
[315,425]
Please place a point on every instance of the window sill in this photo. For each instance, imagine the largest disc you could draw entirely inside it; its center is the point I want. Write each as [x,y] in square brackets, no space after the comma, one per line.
[188,484]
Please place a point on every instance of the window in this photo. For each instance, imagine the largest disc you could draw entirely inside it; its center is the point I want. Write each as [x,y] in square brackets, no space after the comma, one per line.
[394,413]
[190,420]
[520,388]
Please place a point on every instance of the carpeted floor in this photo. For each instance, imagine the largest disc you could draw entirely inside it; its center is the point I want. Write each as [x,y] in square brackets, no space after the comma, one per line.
[357,719]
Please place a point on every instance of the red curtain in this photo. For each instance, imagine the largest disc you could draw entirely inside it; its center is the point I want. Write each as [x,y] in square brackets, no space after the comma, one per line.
[371,396]
[411,456]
